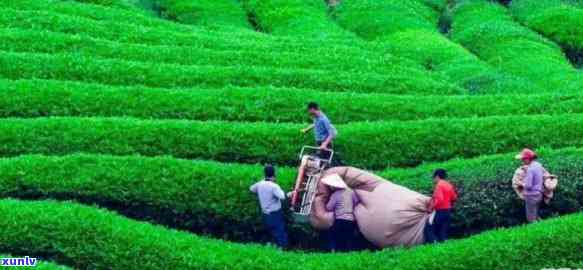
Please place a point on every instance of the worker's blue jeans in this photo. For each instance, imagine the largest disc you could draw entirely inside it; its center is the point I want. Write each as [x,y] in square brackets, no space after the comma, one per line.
[275,224]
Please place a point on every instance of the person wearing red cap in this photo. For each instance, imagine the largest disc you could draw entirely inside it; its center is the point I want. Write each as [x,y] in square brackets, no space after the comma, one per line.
[533,184]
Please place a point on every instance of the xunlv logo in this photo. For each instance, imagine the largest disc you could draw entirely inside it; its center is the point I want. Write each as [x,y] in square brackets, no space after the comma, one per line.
[26,261]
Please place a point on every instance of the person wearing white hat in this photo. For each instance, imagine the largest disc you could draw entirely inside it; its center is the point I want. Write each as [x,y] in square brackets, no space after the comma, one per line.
[342,203]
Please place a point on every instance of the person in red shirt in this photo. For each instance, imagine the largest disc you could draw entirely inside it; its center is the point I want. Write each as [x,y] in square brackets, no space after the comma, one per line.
[444,197]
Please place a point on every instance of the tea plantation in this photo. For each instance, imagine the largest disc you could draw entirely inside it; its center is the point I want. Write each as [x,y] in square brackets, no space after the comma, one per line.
[131,130]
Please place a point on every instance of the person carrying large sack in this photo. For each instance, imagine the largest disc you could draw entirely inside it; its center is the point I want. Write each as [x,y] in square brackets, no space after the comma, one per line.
[342,203]
[442,202]
[533,183]
[387,214]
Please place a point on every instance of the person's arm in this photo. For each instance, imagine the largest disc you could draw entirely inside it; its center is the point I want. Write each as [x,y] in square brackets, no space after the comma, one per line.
[253,187]
[331,203]
[308,128]
[278,193]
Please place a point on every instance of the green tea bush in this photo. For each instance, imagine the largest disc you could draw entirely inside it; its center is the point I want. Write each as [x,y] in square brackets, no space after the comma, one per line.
[38,98]
[410,31]
[191,195]
[306,18]
[88,238]
[489,31]
[127,33]
[557,21]
[86,68]
[372,19]
[205,13]
[19,40]
[373,145]
[139,29]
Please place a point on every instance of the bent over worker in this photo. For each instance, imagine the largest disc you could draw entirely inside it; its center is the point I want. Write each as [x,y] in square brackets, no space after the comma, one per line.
[444,197]
[342,203]
[270,196]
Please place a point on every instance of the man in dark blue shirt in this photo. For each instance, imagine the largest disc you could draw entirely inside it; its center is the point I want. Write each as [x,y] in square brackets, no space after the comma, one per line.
[324,131]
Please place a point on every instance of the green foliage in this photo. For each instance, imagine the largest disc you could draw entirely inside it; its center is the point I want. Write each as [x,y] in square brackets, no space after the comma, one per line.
[408,29]
[213,198]
[369,145]
[80,67]
[557,21]
[489,31]
[205,12]
[89,238]
[371,19]
[20,40]
[40,98]
[306,18]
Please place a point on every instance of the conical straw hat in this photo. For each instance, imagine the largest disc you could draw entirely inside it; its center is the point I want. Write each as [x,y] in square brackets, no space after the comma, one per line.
[334,180]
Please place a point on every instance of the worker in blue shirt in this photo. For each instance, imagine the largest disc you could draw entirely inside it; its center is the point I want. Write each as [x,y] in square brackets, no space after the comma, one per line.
[324,131]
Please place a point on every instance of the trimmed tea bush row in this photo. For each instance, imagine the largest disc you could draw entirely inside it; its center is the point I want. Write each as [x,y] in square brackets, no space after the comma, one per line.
[80,67]
[38,98]
[407,33]
[372,19]
[305,18]
[161,35]
[127,33]
[124,4]
[557,21]
[489,31]
[192,195]
[19,40]
[368,145]
[97,239]
[205,12]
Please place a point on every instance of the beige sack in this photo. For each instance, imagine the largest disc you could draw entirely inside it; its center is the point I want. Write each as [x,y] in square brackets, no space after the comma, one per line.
[388,214]
[550,183]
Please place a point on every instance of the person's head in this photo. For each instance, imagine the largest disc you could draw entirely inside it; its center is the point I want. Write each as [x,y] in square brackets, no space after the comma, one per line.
[269,172]
[439,174]
[313,109]
[527,156]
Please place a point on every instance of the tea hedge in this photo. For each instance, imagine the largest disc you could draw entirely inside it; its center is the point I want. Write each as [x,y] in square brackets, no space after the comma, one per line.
[369,145]
[97,239]
[134,33]
[489,31]
[213,13]
[39,98]
[86,68]
[308,19]
[372,19]
[192,195]
[217,40]
[553,19]
[20,40]
[412,34]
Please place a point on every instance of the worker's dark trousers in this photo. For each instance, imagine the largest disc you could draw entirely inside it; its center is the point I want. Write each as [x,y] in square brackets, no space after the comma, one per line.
[441,224]
[343,234]
[336,161]
[275,223]
[438,232]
